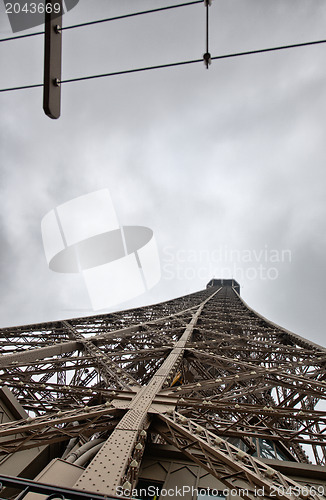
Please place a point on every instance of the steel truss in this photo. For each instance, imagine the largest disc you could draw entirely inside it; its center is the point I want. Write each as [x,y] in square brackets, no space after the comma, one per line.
[204,372]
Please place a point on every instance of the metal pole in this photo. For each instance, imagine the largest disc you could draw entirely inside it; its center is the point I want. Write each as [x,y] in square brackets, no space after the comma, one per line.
[52,58]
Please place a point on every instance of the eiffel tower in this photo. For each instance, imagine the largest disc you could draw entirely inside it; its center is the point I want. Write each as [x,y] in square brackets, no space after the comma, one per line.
[197,398]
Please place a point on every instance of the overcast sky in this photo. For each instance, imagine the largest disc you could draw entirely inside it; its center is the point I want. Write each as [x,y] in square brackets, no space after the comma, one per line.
[226,165]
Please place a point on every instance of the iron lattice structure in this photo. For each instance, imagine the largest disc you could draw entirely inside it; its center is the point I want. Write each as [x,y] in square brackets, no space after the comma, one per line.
[203,372]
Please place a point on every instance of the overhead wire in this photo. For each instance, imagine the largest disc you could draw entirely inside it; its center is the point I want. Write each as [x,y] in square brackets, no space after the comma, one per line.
[125,16]
[17,37]
[105,20]
[207,56]
[170,65]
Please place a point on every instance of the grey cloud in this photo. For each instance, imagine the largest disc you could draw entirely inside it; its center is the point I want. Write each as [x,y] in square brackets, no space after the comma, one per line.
[230,156]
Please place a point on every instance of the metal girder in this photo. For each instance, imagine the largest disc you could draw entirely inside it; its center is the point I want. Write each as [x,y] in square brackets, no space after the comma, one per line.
[28,486]
[108,368]
[235,468]
[241,377]
[119,448]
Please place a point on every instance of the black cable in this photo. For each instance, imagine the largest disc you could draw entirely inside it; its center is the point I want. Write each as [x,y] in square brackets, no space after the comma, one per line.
[182,63]
[21,36]
[115,73]
[207,56]
[271,49]
[136,70]
[124,16]
[23,87]
[207,28]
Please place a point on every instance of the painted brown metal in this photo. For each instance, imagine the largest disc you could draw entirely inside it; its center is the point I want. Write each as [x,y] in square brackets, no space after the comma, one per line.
[226,462]
[115,463]
[200,368]
[52,59]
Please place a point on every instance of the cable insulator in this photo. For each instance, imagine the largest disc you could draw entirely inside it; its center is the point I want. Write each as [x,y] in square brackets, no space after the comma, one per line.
[207,59]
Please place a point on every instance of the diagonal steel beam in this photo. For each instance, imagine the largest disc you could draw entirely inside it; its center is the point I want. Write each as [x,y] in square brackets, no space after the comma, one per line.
[114,461]
[108,368]
[235,468]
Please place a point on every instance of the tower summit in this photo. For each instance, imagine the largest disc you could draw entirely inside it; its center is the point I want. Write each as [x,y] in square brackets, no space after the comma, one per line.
[195,398]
